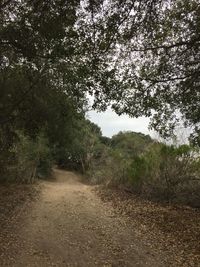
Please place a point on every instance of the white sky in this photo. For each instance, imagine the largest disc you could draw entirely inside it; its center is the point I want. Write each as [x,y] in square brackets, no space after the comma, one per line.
[111,123]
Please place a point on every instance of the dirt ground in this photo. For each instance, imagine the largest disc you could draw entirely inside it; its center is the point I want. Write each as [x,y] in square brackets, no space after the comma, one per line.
[172,229]
[65,222]
[69,224]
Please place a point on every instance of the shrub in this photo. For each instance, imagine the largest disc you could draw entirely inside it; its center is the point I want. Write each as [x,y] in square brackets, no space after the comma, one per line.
[167,173]
[30,159]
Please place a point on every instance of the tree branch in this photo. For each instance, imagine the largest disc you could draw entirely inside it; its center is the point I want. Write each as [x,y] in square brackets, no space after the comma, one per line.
[165,47]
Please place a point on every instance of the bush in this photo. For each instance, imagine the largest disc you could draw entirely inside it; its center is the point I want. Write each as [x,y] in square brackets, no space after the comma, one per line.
[167,173]
[30,159]
[154,170]
[137,171]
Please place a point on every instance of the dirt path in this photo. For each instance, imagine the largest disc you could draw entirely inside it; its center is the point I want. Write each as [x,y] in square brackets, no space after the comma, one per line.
[70,226]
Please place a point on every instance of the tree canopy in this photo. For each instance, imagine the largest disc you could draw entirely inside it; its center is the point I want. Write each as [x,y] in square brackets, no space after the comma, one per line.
[139,57]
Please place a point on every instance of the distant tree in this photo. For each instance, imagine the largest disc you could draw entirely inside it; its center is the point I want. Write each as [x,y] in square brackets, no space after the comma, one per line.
[130,143]
[80,152]
[105,140]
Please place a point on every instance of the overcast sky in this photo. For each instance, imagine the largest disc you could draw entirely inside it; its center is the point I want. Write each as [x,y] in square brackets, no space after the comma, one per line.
[111,123]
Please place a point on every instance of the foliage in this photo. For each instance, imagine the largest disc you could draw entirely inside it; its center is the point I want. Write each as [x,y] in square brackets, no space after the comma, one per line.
[116,157]
[130,143]
[140,57]
[167,173]
[149,168]
[150,51]
[28,160]
[81,150]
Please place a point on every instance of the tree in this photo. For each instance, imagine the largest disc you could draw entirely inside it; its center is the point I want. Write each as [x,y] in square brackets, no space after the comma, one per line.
[153,53]
[131,144]
[83,147]
[140,57]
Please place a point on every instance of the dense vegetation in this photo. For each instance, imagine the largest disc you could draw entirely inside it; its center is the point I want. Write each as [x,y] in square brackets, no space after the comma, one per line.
[152,169]
[139,57]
